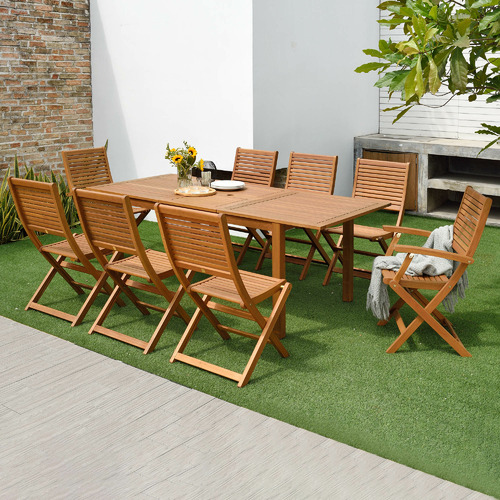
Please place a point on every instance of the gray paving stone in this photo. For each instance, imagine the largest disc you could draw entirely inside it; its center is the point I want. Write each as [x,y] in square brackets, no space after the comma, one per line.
[76,424]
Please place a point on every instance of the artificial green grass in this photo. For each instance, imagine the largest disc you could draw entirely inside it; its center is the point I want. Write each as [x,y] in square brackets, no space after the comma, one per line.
[425,406]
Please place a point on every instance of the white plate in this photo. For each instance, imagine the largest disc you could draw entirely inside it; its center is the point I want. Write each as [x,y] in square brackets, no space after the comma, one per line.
[227,185]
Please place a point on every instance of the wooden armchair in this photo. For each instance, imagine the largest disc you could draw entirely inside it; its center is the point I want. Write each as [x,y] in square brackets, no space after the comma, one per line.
[90,167]
[108,222]
[314,173]
[200,242]
[40,209]
[380,180]
[253,166]
[467,231]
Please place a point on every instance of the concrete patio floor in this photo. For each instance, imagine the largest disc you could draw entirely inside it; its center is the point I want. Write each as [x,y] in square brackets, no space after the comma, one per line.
[76,424]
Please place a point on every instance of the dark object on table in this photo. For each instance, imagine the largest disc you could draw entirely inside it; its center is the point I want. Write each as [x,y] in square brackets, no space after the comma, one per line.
[208,166]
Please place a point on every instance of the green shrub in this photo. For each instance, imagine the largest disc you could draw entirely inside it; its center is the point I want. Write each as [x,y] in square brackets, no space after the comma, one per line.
[11,228]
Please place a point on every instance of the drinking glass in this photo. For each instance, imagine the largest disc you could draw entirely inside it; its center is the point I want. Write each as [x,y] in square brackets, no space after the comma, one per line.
[206,178]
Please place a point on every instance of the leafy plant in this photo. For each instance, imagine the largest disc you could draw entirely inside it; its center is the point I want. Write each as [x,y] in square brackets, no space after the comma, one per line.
[451,43]
[184,159]
[11,228]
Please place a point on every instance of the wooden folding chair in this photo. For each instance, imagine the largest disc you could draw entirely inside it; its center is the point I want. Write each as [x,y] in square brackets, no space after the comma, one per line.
[40,209]
[108,222]
[467,231]
[200,242]
[253,166]
[313,173]
[90,167]
[375,179]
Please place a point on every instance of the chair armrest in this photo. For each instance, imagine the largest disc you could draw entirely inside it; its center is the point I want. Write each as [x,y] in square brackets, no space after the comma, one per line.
[434,253]
[406,230]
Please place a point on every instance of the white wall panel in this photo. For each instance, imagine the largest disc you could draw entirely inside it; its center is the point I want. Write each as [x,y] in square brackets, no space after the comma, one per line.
[307,97]
[167,71]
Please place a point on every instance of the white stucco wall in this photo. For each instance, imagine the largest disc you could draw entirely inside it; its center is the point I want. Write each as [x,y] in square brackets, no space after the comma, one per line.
[167,71]
[307,97]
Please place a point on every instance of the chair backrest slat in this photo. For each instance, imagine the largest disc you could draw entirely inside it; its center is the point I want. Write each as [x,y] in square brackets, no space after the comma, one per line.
[39,207]
[470,221]
[382,180]
[106,221]
[311,172]
[196,240]
[86,167]
[255,166]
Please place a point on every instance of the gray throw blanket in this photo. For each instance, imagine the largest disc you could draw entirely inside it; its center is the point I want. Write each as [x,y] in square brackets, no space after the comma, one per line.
[440,239]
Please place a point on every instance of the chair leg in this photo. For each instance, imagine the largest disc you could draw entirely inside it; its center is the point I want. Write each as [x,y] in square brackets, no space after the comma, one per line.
[141,216]
[267,334]
[262,255]
[201,311]
[315,245]
[425,314]
[440,317]
[120,287]
[336,255]
[101,282]
[167,316]
[244,249]
[392,311]
[56,268]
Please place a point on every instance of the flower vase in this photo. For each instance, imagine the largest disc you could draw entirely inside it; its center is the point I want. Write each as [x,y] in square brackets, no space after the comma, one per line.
[184,180]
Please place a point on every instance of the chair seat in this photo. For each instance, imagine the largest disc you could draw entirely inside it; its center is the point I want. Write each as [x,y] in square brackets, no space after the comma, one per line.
[64,248]
[132,265]
[420,282]
[259,287]
[365,232]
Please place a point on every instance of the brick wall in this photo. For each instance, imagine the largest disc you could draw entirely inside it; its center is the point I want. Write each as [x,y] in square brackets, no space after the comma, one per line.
[45,86]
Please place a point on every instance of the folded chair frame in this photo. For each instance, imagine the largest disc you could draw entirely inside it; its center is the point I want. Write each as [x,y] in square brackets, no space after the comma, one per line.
[467,230]
[200,242]
[40,210]
[108,222]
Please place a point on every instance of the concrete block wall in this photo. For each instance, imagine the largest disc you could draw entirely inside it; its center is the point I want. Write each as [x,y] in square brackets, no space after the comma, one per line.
[45,85]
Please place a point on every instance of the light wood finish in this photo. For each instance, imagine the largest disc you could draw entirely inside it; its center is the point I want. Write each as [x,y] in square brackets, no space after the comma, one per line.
[252,166]
[314,174]
[108,222]
[411,202]
[260,207]
[255,166]
[90,167]
[375,180]
[200,242]
[40,210]
[467,231]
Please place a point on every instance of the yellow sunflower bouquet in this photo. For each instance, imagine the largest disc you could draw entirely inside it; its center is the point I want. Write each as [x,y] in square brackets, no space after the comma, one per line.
[184,159]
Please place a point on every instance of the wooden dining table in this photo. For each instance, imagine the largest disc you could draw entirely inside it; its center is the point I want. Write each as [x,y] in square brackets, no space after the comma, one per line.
[262,207]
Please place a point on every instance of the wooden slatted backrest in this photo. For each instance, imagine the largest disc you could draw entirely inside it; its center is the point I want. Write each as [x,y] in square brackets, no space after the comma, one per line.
[470,221]
[196,240]
[108,221]
[39,208]
[311,172]
[382,180]
[255,166]
[86,167]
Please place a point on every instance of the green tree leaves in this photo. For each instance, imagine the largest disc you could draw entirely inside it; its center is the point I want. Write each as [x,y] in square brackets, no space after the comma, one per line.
[449,44]
[458,71]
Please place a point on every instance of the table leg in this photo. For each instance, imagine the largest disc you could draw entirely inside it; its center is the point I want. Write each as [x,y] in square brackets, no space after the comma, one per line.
[348,261]
[279,270]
